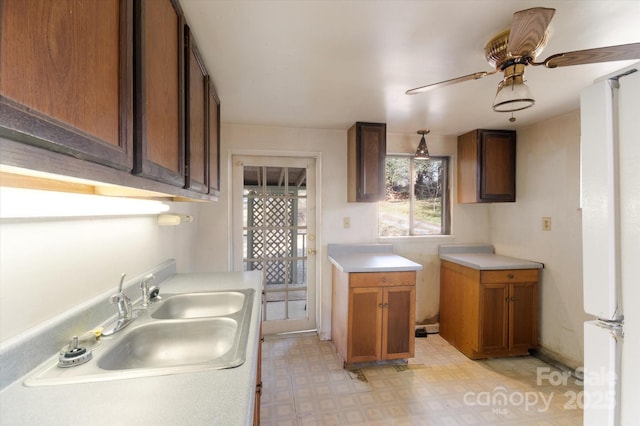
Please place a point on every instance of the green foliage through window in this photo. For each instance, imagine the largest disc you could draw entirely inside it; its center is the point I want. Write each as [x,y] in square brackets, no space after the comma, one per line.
[416,197]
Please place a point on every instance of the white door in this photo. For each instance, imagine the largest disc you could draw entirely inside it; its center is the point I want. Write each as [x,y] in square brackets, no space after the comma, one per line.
[274,232]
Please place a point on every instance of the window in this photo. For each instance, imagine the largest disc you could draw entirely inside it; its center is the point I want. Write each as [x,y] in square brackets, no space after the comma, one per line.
[416,197]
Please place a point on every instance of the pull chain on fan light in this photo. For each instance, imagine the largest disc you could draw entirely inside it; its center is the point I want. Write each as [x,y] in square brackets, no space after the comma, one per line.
[422,151]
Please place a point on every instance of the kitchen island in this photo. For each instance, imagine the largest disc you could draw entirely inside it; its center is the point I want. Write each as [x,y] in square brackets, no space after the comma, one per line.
[373,303]
[488,302]
[214,397]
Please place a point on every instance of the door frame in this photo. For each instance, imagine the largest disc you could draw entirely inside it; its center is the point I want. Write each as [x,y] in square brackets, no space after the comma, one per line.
[235,258]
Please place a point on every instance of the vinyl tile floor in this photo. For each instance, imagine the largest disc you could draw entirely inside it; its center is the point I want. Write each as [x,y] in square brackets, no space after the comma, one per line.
[304,384]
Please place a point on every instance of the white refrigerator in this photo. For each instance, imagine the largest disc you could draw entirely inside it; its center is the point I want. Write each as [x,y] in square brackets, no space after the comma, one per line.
[610,170]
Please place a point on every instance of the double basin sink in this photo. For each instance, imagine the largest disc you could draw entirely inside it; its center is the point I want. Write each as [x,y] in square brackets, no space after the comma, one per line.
[181,333]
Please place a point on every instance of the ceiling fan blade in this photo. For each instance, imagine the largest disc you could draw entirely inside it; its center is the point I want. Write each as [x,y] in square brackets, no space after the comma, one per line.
[591,56]
[474,76]
[527,30]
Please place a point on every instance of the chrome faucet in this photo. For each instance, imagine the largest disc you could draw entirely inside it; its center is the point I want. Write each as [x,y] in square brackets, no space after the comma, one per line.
[122,300]
[149,294]
[125,311]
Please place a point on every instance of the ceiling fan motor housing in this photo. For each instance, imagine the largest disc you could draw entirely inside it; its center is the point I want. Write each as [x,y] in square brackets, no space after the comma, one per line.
[498,57]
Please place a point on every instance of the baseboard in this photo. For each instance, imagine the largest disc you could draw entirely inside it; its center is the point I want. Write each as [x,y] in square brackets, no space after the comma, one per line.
[559,361]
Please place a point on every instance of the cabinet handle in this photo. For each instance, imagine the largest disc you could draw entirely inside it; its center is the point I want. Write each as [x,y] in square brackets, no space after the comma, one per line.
[513,299]
[510,276]
[506,299]
[384,279]
[383,305]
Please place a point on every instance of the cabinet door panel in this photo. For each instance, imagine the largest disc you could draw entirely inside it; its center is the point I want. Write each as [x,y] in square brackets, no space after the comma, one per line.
[65,78]
[214,140]
[366,153]
[159,81]
[494,302]
[523,315]
[197,142]
[398,339]
[497,166]
[365,324]
[371,151]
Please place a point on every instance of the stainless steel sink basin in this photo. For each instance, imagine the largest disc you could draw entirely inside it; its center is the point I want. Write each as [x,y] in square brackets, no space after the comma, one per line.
[183,333]
[175,343]
[200,305]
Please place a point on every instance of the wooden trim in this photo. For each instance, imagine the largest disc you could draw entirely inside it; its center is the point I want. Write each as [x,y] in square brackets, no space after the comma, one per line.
[28,157]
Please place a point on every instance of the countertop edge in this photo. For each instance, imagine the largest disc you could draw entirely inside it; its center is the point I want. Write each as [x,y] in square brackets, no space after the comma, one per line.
[465,259]
[361,262]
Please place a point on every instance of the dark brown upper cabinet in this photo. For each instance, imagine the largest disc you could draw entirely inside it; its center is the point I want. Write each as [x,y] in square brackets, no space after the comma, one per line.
[213,130]
[366,153]
[197,139]
[159,91]
[487,166]
[65,78]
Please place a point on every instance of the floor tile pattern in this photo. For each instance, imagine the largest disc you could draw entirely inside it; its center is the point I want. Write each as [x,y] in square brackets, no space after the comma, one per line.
[304,384]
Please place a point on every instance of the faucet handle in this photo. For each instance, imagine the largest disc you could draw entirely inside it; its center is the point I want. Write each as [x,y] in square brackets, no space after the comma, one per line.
[146,280]
[144,286]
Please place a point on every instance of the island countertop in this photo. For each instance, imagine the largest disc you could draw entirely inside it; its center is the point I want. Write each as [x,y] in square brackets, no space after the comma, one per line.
[490,261]
[369,258]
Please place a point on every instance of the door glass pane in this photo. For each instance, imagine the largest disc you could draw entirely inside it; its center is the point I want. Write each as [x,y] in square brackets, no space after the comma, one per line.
[274,231]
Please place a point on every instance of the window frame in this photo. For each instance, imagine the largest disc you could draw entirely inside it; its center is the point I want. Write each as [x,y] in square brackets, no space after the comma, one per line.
[446,208]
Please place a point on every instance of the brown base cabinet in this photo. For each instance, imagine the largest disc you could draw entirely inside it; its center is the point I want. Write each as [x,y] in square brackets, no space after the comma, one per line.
[373,315]
[489,313]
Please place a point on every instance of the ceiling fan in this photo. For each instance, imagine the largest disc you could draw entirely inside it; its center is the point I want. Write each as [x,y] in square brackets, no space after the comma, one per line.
[515,48]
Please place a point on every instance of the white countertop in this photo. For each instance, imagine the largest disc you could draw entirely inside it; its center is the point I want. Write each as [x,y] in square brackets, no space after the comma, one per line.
[489,261]
[369,258]
[218,397]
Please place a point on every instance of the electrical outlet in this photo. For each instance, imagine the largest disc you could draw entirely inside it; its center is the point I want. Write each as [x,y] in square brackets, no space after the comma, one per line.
[346,222]
[546,223]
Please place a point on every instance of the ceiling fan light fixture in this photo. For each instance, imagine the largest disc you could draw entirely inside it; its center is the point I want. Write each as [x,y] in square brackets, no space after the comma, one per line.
[422,151]
[513,94]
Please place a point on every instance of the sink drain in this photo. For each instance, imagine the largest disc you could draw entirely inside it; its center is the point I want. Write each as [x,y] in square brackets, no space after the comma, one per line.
[73,354]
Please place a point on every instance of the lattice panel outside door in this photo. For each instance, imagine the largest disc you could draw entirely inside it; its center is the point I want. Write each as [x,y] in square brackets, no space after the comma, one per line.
[270,220]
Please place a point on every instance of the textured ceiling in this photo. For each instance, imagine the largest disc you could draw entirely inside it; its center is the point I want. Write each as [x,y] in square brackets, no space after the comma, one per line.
[325,64]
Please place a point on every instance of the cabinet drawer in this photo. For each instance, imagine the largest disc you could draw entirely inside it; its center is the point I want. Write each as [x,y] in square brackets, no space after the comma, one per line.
[381,279]
[509,276]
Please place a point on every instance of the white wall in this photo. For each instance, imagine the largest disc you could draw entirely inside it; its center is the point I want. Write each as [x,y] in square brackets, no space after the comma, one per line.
[548,184]
[50,266]
[47,267]
[470,222]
